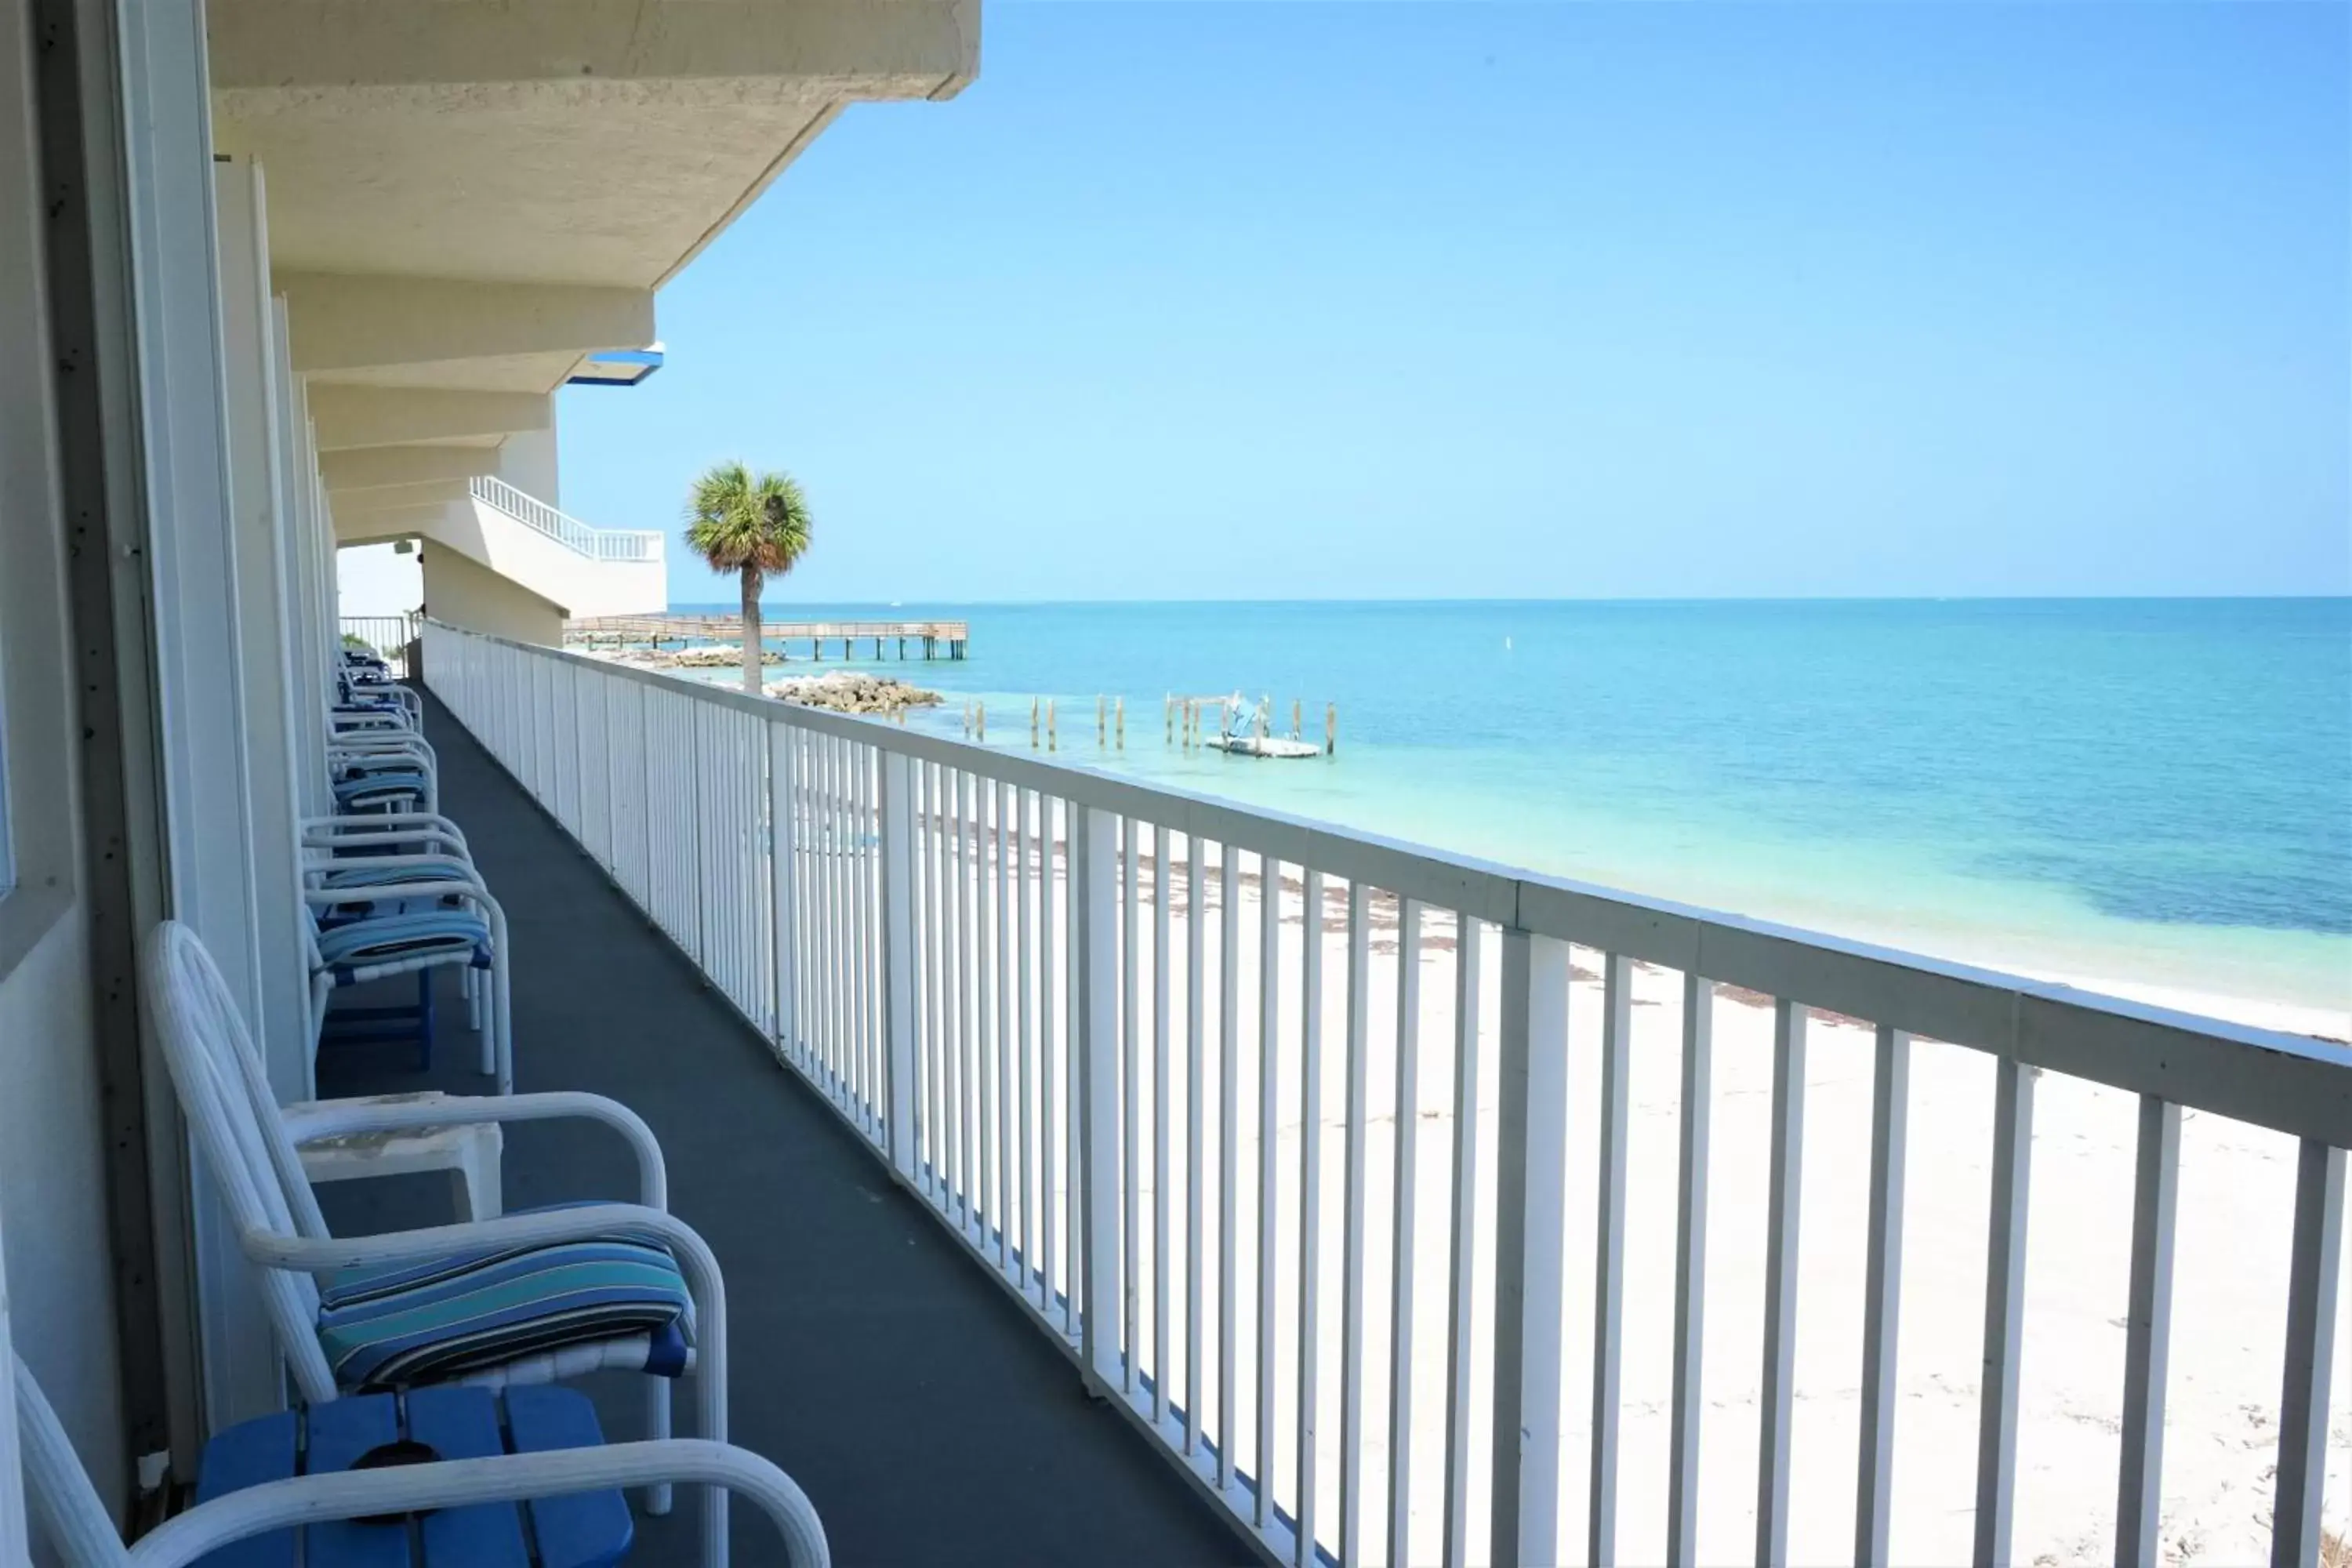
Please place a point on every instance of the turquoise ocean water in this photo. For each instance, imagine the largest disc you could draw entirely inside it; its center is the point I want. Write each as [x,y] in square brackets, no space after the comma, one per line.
[2151,792]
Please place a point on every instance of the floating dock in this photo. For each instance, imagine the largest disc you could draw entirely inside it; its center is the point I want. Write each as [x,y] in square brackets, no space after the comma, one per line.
[937,639]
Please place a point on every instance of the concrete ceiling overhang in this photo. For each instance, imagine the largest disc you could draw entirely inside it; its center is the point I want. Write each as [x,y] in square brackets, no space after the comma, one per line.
[431,495]
[348,416]
[349,322]
[576,142]
[384,467]
[467,197]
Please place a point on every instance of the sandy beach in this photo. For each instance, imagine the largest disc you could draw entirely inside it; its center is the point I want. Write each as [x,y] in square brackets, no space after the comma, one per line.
[2236,1187]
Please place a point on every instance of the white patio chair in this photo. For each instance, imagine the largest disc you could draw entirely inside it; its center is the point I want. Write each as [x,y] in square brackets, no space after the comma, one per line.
[379,848]
[67,1510]
[383,781]
[432,918]
[250,1149]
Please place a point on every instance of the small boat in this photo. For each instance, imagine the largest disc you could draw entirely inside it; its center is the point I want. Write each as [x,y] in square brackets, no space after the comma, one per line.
[1247,732]
[1265,746]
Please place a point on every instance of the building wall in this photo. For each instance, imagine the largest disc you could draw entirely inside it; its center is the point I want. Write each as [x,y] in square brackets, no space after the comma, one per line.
[53,1211]
[463,594]
[53,1200]
[527,460]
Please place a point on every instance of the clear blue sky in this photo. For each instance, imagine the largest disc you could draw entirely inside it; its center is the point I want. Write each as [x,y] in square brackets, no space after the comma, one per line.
[1322,300]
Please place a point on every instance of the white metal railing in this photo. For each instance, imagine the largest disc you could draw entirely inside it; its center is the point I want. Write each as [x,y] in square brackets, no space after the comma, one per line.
[1351,1236]
[596,543]
[387,635]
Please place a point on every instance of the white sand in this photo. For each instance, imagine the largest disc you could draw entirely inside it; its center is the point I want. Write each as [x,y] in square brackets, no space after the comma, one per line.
[2236,1193]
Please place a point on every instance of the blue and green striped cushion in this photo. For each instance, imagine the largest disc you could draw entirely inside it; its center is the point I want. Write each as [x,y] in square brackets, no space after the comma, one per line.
[349,945]
[357,873]
[445,1316]
[376,788]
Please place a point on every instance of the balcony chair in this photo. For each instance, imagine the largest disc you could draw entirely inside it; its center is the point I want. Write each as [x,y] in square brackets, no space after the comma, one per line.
[375,850]
[247,1490]
[370,685]
[373,918]
[576,1289]
[376,777]
[353,854]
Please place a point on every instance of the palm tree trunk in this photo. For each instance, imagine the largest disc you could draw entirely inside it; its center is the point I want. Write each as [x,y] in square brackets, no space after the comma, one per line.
[751,649]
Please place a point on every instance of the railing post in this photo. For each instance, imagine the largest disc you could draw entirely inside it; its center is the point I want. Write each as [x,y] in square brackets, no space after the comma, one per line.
[784,884]
[1094,901]
[2313,1264]
[898,957]
[1531,1204]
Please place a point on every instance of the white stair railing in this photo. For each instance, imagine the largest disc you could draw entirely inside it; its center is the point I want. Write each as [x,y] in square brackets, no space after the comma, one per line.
[596,543]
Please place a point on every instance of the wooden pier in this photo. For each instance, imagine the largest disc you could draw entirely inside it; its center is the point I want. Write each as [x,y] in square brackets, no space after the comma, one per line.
[937,639]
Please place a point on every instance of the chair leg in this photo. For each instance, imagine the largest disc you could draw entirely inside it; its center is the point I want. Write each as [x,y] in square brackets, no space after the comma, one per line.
[425,1020]
[658,1497]
[489,1024]
[502,1019]
[711,1379]
[480,1181]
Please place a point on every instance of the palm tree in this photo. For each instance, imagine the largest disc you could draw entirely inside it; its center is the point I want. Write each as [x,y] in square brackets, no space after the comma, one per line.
[754,524]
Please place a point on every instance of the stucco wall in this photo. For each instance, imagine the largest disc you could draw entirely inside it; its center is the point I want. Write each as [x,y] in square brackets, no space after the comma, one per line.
[53,1214]
[465,594]
[53,1199]
[527,461]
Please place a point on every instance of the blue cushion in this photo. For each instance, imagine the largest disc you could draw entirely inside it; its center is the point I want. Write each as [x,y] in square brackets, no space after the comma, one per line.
[445,1316]
[377,787]
[346,946]
[360,874]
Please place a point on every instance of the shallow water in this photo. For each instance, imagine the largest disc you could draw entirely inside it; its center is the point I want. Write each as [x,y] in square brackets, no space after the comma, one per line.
[2152,792]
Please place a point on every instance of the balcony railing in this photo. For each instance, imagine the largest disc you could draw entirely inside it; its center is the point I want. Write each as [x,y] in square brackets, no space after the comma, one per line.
[1358,1261]
[596,543]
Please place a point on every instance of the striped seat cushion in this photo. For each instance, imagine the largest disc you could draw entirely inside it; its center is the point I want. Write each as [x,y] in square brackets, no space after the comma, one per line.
[358,873]
[447,1317]
[350,945]
[376,765]
[378,787]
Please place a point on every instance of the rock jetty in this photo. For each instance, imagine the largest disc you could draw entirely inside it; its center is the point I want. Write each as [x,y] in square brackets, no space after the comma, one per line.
[848,691]
[685,659]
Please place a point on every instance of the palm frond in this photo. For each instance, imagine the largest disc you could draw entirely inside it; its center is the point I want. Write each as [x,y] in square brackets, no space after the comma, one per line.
[736,519]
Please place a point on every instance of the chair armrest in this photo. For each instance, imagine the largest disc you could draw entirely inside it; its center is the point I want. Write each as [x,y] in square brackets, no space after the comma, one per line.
[377,821]
[432,838]
[507,1478]
[318,1118]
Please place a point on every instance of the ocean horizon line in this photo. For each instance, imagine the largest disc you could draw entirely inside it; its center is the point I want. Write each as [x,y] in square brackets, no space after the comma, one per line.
[1668,601]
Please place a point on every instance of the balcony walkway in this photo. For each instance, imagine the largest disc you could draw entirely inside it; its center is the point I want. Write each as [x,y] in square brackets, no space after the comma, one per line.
[926,1418]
